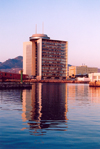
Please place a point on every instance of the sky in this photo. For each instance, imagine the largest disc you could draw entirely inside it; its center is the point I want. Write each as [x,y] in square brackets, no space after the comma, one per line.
[75,21]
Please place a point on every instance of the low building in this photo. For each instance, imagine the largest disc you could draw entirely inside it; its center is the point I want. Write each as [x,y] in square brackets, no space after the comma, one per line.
[81,70]
[83,79]
[94,77]
[12,76]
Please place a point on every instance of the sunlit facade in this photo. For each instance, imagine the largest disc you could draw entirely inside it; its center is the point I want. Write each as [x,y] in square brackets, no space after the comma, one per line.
[27,58]
[94,77]
[77,70]
[48,57]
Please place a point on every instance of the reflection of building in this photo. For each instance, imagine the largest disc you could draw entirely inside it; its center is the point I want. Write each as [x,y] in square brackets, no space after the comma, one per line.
[44,104]
[71,92]
[95,94]
[43,57]
[83,93]
[30,99]
[26,105]
[76,70]
[77,92]
[54,102]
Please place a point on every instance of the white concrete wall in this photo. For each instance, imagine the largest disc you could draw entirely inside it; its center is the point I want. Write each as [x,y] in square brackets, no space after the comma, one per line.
[27,58]
[39,58]
[94,77]
[83,79]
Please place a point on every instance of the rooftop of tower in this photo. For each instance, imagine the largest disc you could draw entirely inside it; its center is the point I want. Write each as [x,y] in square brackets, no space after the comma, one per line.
[37,36]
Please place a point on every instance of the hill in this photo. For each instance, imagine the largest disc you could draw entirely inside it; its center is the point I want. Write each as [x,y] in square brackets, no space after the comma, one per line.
[12,63]
[69,65]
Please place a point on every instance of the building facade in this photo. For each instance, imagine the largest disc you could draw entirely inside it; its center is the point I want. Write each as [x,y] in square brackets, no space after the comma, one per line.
[94,77]
[81,70]
[45,58]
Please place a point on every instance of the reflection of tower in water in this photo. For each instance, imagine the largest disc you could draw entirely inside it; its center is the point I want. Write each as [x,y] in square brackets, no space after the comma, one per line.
[32,105]
[45,105]
[54,104]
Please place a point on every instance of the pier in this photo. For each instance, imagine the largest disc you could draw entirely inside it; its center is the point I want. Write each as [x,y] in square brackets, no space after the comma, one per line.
[15,85]
[27,84]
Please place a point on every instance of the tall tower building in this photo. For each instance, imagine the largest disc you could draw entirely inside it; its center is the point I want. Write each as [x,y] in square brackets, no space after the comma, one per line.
[44,57]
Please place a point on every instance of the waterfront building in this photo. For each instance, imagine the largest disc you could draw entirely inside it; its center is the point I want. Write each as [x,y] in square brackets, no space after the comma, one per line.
[44,57]
[94,77]
[83,79]
[81,70]
[12,76]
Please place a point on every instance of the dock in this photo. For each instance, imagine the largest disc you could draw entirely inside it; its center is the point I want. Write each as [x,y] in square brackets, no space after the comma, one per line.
[15,85]
[27,84]
[56,81]
[94,84]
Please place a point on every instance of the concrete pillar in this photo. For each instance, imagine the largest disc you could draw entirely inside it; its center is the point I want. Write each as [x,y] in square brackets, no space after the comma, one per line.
[33,58]
[39,58]
[27,58]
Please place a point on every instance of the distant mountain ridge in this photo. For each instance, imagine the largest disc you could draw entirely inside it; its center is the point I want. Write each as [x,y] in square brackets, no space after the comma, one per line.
[12,63]
[69,65]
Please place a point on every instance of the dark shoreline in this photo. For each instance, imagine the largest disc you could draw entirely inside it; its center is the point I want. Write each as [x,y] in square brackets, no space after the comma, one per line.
[57,81]
[27,84]
[15,85]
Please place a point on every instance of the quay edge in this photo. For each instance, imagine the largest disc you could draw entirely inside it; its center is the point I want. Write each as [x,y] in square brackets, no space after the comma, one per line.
[94,84]
[46,81]
[13,85]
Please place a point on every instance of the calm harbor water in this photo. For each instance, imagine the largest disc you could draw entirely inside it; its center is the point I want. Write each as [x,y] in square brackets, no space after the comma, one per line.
[50,115]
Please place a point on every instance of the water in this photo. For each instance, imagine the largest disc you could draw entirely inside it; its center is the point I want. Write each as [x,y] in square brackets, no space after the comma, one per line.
[50,116]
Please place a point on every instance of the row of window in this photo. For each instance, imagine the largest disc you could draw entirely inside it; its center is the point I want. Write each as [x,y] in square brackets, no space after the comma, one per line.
[52,53]
[54,68]
[54,49]
[54,75]
[53,65]
[44,55]
[54,43]
[54,57]
[47,60]
[54,62]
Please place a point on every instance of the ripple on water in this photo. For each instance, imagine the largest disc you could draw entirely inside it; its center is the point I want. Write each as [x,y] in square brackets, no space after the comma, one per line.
[50,116]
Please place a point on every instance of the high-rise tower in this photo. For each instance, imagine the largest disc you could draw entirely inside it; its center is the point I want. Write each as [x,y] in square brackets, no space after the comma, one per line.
[45,58]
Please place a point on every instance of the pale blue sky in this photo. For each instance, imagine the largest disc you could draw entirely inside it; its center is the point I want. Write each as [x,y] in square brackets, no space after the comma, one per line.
[75,21]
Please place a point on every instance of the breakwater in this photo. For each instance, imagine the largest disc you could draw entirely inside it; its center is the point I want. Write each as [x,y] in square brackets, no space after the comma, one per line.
[55,81]
[13,85]
[27,84]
